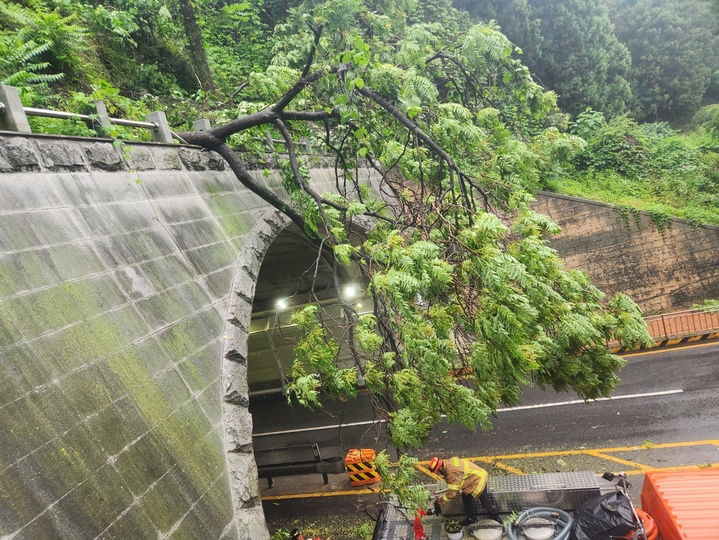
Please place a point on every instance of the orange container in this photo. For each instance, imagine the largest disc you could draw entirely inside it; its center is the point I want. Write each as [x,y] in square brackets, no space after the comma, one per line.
[684,504]
[360,467]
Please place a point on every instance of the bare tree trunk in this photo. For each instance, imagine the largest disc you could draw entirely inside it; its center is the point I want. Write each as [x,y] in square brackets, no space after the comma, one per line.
[197,48]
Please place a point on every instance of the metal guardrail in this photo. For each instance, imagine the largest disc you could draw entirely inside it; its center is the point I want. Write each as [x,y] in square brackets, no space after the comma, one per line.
[30,111]
[13,117]
[683,323]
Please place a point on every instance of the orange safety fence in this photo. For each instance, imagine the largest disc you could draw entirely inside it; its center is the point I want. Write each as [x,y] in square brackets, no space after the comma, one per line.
[683,323]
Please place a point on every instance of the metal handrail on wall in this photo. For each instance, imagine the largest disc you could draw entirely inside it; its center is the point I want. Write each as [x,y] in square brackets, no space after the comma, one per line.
[30,111]
[13,117]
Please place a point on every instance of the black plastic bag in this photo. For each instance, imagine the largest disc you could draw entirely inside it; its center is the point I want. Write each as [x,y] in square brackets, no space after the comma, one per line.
[604,518]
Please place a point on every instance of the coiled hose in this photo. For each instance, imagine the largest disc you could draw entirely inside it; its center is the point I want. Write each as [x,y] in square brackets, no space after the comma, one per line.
[559,518]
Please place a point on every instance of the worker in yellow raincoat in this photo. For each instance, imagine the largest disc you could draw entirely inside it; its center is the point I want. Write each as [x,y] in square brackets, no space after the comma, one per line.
[461,475]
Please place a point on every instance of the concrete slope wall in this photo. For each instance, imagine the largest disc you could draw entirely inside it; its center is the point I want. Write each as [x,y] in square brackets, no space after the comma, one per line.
[663,269]
[116,266]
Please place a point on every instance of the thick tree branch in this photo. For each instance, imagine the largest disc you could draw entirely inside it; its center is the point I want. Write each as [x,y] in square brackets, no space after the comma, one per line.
[319,201]
[422,136]
[310,116]
[213,137]
[467,76]
[265,194]
[406,122]
[250,183]
[305,78]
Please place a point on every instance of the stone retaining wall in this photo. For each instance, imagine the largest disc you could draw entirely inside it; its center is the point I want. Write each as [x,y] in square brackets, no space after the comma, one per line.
[119,416]
[662,269]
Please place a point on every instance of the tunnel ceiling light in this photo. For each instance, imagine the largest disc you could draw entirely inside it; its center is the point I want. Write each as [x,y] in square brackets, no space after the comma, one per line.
[351,290]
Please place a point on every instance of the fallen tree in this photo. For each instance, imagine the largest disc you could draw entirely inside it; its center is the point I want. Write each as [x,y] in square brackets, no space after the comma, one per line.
[470,303]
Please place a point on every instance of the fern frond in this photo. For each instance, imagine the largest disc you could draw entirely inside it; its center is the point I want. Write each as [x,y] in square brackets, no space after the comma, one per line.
[455,110]
[19,65]
[15,13]
[485,45]
[423,87]
[27,51]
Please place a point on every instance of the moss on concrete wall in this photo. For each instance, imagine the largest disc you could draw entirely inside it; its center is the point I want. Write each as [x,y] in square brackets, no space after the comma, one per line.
[114,291]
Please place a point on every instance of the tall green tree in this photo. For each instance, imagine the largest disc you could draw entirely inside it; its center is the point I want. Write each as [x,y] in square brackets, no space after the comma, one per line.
[469,301]
[514,18]
[580,58]
[196,49]
[238,41]
[674,50]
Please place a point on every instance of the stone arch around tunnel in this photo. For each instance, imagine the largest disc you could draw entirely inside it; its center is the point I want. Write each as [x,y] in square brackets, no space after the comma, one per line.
[237,419]
[276,261]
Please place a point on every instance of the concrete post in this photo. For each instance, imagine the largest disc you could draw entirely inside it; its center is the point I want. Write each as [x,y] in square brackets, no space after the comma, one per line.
[103,119]
[162,132]
[203,124]
[12,115]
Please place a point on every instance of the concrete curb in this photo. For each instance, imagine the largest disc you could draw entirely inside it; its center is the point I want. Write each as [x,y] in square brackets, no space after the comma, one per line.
[669,342]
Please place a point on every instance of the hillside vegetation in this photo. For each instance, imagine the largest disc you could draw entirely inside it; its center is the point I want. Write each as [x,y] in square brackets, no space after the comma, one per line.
[637,82]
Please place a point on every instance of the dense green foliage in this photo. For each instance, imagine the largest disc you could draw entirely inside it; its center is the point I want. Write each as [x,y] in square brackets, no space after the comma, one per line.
[577,34]
[456,262]
[136,49]
[647,166]
[674,53]
[570,47]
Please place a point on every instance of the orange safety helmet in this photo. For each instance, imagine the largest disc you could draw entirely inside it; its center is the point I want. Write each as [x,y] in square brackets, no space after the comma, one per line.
[434,464]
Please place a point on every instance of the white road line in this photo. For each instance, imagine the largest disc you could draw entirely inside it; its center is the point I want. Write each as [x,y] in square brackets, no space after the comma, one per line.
[319,427]
[508,409]
[574,402]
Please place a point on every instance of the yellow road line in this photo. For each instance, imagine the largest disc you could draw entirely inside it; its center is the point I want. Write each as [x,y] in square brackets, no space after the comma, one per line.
[618,460]
[714,442]
[502,466]
[658,350]
[677,468]
[315,495]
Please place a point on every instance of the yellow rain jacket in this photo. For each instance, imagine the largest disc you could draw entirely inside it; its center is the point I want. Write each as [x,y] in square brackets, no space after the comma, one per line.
[462,474]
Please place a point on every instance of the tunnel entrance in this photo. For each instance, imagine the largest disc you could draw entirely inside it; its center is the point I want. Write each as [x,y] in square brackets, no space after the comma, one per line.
[293,274]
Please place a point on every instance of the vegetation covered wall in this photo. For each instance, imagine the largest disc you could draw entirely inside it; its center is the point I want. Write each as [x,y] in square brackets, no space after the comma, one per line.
[663,264]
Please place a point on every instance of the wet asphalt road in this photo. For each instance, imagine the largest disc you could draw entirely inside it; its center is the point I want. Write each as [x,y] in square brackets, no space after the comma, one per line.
[666,396]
